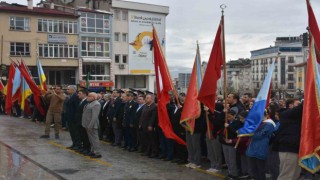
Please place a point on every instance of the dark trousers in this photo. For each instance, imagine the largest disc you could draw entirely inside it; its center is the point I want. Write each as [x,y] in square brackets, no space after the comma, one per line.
[133,135]
[117,130]
[127,137]
[109,132]
[102,129]
[152,143]
[258,167]
[142,140]
[72,130]
[85,139]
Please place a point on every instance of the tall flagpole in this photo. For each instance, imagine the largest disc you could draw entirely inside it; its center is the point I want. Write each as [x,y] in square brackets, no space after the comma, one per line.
[223,6]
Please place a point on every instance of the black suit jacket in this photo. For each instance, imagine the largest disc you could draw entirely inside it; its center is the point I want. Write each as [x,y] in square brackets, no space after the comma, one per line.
[71,107]
[113,110]
[104,111]
[129,113]
[79,111]
[137,116]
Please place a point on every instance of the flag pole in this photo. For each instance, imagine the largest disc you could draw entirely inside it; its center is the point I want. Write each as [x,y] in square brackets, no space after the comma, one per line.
[223,6]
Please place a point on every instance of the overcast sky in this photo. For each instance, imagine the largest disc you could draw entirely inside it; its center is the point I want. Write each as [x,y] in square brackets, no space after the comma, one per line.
[249,25]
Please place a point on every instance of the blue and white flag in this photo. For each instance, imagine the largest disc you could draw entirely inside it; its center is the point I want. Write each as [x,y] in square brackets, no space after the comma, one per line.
[256,114]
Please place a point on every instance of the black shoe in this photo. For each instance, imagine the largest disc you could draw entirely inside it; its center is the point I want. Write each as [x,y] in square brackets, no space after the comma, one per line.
[75,148]
[166,159]
[84,152]
[182,162]
[175,160]
[132,149]
[70,147]
[96,156]
[153,156]
[161,157]
[80,150]
[45,136]
[89,154]
[145,154]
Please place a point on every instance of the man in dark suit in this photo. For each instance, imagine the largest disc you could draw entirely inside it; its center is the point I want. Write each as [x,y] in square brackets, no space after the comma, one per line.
[148,123]
[103,115]
[136,132]
[82,136]
[71,108]
[128,119]
[113,113]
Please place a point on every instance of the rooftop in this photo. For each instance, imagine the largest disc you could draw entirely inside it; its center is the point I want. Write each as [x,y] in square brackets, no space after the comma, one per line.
[36,11]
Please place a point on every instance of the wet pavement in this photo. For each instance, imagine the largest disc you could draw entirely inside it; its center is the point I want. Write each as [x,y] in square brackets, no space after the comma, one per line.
[23,155]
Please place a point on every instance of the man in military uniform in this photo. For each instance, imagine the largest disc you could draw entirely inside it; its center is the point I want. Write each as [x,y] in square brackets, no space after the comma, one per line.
[128,120]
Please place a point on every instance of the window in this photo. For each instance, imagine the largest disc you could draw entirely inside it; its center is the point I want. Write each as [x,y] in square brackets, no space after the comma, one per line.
[257,85]
[20,23]
[116,36]
[95,47]
[124,59]
[300,79]
[56,26]
[124,15]
[290,86]
[275,69]
[95,23]
[116,14]
[57,51]
[98,71]
[19,48]
[290,77]
[291,59]
[124,37]
[290,69]
[117,58]
[134,81]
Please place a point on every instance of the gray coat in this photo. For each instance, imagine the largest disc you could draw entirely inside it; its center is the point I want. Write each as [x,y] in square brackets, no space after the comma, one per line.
[90,115]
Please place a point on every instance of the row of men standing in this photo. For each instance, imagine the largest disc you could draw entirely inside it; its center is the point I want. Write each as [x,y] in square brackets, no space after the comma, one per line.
[115,117]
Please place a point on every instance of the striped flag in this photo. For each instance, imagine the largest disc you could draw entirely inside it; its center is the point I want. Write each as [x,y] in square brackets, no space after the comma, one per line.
[42,76]
[191,107]
[256,114]
[309,153]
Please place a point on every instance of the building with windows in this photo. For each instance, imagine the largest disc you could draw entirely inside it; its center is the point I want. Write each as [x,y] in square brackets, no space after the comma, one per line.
[287,52]
[95,52]
[183,82]
[34,32]
[131,35]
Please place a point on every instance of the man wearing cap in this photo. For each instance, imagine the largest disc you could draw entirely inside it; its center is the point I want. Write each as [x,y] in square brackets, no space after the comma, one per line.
[55,98]
[113,112]
[71,107]
[128,121]
[90,121]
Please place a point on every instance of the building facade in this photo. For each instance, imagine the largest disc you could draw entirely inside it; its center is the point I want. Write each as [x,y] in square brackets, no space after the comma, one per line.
[287,52]
[130,39]
[183,82]
[33,32]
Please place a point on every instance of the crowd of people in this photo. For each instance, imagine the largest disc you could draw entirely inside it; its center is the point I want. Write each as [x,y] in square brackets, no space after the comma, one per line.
[129,120]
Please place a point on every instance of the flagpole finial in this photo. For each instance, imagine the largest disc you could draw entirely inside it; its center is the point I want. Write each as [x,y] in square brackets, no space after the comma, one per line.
[222,7]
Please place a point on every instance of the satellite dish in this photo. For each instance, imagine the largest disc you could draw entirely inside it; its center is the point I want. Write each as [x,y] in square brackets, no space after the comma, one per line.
[66,1]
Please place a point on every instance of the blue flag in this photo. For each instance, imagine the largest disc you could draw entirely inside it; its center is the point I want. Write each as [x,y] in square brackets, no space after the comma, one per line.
[256,114]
